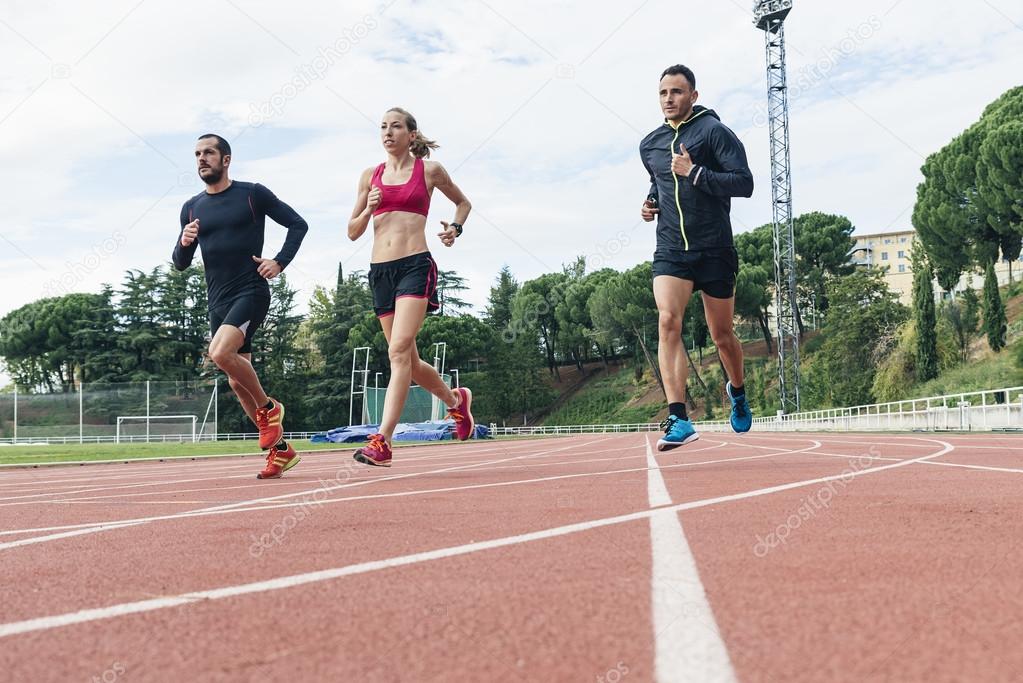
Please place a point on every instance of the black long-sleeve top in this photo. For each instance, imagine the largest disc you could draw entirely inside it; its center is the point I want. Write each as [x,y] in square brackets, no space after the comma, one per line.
[231,232]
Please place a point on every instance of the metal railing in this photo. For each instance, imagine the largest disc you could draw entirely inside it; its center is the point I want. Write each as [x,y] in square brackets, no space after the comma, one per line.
[968,411]
[992,409]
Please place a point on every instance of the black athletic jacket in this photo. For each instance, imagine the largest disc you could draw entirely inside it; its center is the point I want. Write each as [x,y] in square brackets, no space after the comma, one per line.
[231,225]
[694,210]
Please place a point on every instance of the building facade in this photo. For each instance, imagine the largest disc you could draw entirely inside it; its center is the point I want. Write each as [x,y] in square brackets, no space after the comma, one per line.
[891,251]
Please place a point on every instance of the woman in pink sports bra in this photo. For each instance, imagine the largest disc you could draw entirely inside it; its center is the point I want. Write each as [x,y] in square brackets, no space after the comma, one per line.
[403,275]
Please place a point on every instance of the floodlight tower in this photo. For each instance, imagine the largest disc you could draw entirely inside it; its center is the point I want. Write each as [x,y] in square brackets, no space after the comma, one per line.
[769,17]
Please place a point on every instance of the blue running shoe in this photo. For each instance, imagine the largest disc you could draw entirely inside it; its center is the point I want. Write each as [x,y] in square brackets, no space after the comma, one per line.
[677,432]
[741,417]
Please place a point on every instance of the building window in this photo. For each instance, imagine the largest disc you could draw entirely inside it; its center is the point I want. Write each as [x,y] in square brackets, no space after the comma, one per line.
[903,240]
[884,255]
[902,267]
[887,241]
[902,254]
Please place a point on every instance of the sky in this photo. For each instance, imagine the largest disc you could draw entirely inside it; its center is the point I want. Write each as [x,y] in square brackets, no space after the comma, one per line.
[539,107]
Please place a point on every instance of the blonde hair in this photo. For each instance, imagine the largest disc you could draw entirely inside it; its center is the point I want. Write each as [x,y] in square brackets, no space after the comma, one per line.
[422,145]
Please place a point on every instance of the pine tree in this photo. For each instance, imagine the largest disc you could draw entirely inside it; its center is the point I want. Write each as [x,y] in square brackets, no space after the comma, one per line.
[498,313]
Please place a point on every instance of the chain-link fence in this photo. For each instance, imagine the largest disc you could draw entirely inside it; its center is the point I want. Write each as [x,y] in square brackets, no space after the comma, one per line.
[136,411]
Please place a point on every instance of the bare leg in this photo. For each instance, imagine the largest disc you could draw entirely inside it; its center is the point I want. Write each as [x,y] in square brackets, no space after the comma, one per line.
[249,404]
[672,296]
[405,323]
[424,374]
[720,315]
[238,368]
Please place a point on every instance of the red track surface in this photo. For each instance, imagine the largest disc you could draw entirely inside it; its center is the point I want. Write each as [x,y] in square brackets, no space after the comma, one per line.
[801,557]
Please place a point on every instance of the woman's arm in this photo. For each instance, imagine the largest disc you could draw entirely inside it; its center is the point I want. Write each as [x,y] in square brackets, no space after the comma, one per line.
[443,182]
[366,200]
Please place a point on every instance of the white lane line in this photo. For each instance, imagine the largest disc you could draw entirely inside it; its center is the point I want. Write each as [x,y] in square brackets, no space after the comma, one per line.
[399,494]
[292,482]
[95,614]
[974,467]
[687,642]
[442,470]
[66,534]
[965,447]
[855,457]
[247,505]
[408,454]
[133,502]
[900,444]
[168,460]
[94,484]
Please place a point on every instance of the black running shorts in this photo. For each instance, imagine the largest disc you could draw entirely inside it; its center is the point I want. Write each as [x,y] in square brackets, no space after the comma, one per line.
[413,277]
[245,312]
[712,271]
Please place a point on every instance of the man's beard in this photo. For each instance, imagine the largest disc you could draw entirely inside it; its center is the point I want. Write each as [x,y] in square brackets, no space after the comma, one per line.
[213,177]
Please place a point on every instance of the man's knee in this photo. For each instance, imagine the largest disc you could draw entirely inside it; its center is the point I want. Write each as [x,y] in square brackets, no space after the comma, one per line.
[724,336]
[221,356]
[669,324]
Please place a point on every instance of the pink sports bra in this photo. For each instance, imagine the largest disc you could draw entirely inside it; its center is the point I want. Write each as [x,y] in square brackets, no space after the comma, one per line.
[412,196]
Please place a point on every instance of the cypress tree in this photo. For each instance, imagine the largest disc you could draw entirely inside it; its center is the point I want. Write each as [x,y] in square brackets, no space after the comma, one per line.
[994,311]
[923,316]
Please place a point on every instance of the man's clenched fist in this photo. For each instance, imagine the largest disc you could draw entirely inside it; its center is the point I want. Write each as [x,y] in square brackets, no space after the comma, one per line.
[190,233]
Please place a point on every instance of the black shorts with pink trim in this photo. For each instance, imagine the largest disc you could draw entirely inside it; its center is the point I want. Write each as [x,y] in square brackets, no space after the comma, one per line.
[410,277]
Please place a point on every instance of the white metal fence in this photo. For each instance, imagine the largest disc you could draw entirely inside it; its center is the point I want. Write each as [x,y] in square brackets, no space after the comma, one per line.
[994,409]
[90,416]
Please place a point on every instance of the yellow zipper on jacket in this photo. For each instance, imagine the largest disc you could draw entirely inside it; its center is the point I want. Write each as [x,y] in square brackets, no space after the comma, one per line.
[671,149]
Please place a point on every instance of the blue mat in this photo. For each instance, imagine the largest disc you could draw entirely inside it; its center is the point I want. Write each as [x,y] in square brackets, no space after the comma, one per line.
[421,431]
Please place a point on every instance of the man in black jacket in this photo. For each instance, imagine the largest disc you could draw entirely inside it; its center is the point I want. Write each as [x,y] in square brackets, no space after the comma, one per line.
[227,222]
[696,165]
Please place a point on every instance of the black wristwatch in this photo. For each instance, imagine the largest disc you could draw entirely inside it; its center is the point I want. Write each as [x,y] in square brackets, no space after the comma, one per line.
[457,227]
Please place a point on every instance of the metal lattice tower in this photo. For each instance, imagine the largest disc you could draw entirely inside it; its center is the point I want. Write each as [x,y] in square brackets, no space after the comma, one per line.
[769,16]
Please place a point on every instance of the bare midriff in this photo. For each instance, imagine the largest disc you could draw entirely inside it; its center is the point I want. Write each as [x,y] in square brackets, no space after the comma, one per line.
[397,234]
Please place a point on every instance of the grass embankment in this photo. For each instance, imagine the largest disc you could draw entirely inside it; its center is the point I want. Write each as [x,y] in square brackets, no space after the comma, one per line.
[993,371]
[985,369]
[610,399]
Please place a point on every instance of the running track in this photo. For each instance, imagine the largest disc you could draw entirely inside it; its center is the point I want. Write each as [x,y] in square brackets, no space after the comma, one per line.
[762,557]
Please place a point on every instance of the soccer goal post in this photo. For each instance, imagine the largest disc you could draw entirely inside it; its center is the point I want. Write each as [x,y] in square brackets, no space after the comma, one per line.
[190,420]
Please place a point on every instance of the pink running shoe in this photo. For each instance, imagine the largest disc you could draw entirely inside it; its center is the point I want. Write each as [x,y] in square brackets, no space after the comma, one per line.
[376,453]
[465,425]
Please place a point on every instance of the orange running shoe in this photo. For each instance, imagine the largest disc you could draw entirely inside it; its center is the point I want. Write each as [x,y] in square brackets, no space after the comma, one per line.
[270,422]
[465,425]
[278,462]
[376,453]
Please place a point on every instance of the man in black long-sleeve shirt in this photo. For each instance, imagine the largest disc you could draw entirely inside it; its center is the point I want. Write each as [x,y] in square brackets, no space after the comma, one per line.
[227,222]
[696,165]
